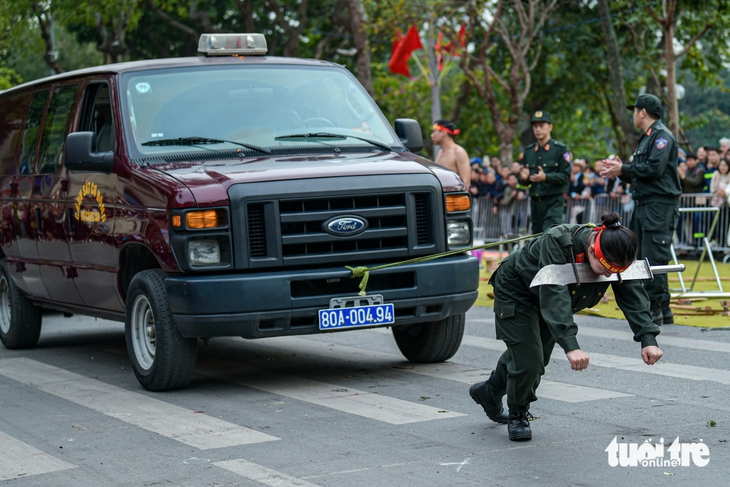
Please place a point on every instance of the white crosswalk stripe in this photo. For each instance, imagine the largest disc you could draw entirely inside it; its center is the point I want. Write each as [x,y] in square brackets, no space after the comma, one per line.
[261,474]
[708,345]
[679,371]
[18,459]
[168,420]
[349,400]
[558,391]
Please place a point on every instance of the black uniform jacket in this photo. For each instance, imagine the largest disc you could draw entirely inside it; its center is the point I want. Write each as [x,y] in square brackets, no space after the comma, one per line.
[555,160]
[557,304]
[653,171]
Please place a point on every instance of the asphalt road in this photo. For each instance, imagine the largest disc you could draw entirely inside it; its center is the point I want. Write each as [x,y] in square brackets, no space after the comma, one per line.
[346,410]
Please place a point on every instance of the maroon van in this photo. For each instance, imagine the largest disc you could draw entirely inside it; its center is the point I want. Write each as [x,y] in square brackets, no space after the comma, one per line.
[224,195]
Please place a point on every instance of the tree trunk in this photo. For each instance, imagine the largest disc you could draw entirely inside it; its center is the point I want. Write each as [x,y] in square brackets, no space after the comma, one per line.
[617,79]
[671,78]
[360,36]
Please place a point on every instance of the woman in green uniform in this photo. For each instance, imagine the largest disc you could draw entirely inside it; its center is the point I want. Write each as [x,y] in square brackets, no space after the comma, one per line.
[531,320]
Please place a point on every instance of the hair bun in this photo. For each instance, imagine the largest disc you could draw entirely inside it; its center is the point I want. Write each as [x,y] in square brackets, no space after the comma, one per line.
[611,219]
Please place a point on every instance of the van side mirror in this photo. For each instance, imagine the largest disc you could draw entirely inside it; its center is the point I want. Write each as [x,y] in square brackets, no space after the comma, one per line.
[409,133]
[79,155]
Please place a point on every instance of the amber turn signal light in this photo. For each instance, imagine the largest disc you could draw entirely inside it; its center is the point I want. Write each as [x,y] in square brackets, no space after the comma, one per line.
[457,202]
[201,219]
[176,221]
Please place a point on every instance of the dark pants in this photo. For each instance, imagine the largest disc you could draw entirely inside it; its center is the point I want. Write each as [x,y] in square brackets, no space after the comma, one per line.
[529,345]
[546,211]
[654,225]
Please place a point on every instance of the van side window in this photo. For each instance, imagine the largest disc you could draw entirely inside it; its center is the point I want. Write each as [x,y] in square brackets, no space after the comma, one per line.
[13,109]
[97,117]
[31,132]
[55,129]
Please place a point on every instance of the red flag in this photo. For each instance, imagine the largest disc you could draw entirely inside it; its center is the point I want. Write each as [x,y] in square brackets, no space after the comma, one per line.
[402,49]
[452,48]
[438,48]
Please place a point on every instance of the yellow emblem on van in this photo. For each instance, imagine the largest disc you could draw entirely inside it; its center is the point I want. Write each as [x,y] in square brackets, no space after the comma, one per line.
[94,215]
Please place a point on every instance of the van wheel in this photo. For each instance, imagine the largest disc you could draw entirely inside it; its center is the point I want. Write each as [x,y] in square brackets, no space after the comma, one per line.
[431,342]
[20,319]
[162,359]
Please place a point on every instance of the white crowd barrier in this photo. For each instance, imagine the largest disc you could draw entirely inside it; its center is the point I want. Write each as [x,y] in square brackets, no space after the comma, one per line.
[492,224]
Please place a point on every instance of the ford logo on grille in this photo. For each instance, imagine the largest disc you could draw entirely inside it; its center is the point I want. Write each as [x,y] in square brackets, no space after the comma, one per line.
[344,226]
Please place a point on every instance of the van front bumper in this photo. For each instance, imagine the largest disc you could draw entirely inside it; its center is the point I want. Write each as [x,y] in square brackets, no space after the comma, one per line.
[257,305]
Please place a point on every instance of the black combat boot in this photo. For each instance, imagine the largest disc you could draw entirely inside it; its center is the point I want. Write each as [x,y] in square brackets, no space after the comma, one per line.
[657,317]
[484,395]
[519,425]
[667,315]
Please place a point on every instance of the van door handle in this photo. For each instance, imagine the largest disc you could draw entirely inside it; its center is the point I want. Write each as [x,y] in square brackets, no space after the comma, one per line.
[39,220]
[70,222]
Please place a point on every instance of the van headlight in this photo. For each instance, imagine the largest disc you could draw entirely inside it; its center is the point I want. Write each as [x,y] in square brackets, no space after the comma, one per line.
[204,252]
[459,233]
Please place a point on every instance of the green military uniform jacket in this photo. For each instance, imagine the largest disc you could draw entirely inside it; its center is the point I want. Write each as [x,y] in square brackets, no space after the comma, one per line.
[555,160]
[653,171]
[557,304]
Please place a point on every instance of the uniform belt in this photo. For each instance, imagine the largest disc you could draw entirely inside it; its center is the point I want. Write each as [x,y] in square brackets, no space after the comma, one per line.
[541,198]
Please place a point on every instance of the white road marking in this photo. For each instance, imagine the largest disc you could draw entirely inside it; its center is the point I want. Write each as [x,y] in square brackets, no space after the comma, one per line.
[693,343]
[627,335]
[366,404]
[558,391]
[679,371]
[261,474]
[168,420]
[18,459]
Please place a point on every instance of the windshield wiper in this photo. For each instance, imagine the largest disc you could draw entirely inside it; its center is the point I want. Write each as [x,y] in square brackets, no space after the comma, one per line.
[330,135]
[203,140]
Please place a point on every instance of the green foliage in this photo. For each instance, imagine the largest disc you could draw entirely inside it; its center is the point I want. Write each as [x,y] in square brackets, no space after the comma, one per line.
[28,62]
[571,79]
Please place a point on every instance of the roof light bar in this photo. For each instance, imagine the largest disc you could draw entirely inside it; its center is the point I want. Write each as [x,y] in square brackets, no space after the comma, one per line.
[232,44]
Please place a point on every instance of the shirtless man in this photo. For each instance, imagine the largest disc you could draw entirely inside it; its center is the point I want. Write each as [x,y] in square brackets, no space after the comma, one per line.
[452,155]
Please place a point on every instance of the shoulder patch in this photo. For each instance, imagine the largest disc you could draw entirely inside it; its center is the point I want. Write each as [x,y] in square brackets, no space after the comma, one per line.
[660,143]
[568,156]
[580,258]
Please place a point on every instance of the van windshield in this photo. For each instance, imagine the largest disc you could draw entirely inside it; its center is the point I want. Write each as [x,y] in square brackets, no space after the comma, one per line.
[257,106]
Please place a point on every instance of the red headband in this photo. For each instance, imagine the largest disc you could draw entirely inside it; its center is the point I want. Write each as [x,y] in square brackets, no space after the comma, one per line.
[441,128]
[614,269]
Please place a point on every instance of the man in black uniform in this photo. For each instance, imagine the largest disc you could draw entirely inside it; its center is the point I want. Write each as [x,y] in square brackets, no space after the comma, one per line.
[546,171]
[655,188]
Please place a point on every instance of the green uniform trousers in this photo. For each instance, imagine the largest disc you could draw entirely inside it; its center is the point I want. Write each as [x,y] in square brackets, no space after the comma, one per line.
[654,225]
[529,346]
[546,211]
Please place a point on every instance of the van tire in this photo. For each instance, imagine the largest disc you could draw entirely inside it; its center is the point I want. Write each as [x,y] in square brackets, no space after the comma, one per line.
[162,359]
[431,342]
[20,319]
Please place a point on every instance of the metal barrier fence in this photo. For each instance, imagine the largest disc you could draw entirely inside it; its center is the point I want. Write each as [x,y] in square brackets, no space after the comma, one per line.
[492,224]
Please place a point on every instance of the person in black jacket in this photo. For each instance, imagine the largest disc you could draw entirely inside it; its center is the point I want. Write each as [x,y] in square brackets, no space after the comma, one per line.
[655,188]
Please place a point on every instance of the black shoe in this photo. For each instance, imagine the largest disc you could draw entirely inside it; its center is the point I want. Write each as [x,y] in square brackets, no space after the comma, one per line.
[519,425]
[667,315]
[483,396]
[657,317]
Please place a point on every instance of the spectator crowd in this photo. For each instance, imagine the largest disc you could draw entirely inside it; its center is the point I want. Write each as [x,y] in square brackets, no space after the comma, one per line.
[704,176]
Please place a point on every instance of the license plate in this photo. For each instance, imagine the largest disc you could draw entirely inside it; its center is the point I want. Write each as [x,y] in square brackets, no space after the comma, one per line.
[340,315]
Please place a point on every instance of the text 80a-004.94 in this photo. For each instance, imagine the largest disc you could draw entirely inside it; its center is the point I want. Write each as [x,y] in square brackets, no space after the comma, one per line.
[381,314]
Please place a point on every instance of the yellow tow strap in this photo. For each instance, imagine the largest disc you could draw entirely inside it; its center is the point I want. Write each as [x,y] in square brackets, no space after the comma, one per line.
[364,272]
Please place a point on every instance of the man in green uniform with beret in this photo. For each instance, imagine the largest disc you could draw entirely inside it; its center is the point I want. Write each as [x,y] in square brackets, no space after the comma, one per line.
[546,171]
[655,189]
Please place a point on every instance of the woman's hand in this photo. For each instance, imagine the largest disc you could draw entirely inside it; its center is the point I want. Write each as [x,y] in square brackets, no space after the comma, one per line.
[578,359]
[651,354]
